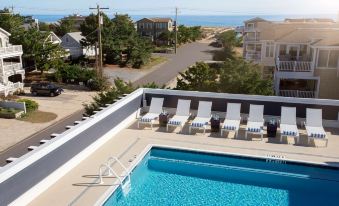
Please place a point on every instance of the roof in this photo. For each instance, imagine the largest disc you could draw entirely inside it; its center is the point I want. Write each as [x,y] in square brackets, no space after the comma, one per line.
[256,19]
[5,32]
[311,20]
[313,36]
[157,20]
[77,36]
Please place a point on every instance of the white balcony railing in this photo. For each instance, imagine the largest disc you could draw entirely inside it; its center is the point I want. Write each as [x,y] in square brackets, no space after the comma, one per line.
[297,93]
[294,66]
[13,68]
[10,87]
[254,56]
[10,50]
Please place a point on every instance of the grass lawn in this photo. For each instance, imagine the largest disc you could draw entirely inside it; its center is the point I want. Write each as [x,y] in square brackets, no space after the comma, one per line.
[39,117]
[155,60]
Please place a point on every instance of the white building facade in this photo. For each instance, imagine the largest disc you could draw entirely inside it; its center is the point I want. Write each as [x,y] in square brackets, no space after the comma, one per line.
[11,72]
[302,55]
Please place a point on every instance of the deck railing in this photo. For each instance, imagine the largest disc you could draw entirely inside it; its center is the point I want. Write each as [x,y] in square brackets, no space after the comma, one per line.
[297,93]
[256,56]
[10,50]
[294,66]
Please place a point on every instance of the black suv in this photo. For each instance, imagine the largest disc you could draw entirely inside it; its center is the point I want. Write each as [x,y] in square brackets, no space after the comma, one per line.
[45,88]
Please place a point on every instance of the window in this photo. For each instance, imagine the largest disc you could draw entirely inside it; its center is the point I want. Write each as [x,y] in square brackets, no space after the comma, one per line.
[269,49]
[328,58]
[333,59]
[67,39]
[282,50]
[323,57]
[0,42]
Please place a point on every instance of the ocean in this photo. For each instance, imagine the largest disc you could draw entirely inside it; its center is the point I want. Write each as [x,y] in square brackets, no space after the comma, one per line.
[194,20]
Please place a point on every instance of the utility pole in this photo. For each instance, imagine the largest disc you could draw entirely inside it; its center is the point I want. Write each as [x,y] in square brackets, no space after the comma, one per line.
[100,23]
[176,30]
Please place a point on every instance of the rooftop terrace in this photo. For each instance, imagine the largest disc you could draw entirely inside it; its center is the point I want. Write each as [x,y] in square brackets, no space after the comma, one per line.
[67,166]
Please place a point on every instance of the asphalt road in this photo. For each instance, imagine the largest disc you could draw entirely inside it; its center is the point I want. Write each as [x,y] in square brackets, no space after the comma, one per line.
[186,56]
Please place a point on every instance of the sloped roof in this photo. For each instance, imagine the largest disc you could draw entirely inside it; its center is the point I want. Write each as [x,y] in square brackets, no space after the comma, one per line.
[157,20]
[77,36]
[256,19]
[313,36]
[5,32]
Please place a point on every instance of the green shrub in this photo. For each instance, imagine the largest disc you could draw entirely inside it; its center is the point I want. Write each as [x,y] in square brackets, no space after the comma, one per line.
[8,113]
[31,105]
[98,84]
[74,74]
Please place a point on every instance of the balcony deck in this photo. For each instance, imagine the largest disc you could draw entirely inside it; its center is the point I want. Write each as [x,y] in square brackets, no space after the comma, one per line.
[78,186]
[10,51]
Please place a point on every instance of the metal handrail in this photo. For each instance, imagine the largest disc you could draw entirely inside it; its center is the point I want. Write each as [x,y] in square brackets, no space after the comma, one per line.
[113,159]
[110,171]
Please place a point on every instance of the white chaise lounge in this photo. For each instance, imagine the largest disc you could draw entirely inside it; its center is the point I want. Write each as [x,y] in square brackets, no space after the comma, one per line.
[288,123]
[203,116]
[153,113]
[232,119]
[314,125]
[255,121]
[181,116]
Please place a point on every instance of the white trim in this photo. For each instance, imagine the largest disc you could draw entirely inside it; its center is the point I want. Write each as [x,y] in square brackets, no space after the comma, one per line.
[35,191]
[11,169]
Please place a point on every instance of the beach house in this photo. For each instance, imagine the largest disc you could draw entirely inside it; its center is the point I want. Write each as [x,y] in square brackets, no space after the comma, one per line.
[153,27]
[71,43]
[11,72]
[302,55]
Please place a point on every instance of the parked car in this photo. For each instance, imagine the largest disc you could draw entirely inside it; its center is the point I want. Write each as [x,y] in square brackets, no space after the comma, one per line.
[45,88]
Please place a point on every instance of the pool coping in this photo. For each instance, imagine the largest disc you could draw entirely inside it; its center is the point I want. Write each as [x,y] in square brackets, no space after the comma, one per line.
[149,147]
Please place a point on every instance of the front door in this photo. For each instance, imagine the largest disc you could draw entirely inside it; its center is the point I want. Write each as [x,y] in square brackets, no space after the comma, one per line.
[293,52]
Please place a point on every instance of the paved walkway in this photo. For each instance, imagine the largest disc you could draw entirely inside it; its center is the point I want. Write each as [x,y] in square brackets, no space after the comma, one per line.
[187,55]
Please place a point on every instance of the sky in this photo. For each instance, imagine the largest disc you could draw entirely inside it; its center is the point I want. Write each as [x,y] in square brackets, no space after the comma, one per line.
[186,7]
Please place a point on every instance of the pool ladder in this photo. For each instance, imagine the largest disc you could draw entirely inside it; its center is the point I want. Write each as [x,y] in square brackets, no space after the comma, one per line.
[107,167]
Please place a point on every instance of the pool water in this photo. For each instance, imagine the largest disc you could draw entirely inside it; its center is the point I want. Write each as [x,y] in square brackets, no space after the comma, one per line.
[177,177]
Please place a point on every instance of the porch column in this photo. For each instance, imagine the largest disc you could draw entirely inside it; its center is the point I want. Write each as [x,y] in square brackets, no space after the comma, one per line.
[318,87]
[314,60]
[2,69]
[277,86]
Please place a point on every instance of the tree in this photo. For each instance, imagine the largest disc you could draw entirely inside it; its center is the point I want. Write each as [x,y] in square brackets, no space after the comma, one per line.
[234,76]
[64,26]
[242,77]
[44,54]
[12,23]
[141,52]
[89,29]
[111,95]
[199,77]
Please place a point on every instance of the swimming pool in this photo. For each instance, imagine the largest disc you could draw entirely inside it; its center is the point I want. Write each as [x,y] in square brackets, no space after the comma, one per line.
[180,177]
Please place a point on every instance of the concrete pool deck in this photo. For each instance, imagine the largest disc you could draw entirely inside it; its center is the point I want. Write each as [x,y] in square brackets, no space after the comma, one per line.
[79,186]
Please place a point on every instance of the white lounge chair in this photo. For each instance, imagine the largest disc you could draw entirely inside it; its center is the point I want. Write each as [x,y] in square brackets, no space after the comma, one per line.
[182,114]
[255,121]
[153,113]
[314,125]
[203,117]
[288,123]
[233,118]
